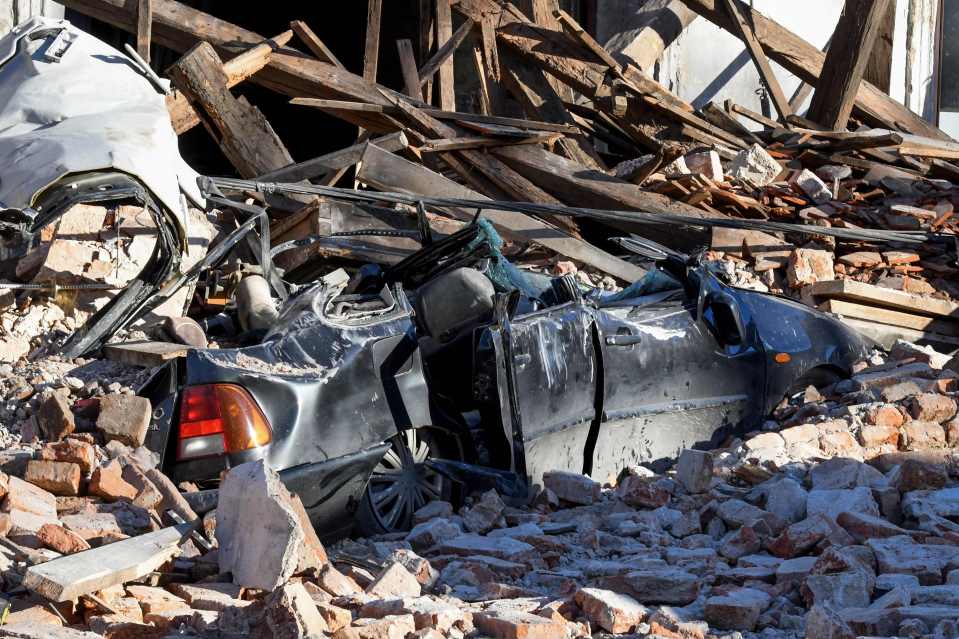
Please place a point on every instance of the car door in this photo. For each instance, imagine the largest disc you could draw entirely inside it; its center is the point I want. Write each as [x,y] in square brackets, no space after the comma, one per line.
[547,386]
[669,382]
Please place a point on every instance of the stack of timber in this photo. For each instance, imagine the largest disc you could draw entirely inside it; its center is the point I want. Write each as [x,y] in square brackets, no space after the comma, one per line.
[551,117]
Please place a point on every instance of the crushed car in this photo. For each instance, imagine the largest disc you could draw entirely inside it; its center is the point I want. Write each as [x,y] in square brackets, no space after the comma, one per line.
[95,195]
[375,394]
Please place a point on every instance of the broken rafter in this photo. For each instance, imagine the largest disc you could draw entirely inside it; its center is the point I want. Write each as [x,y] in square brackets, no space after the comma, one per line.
[313,43]
[745,33]
[371,51]
[411,79]
[144,21]
[241,131]
[443,56]
[846,62]
[444,34]
[182,114]
[392,173]
[333,162]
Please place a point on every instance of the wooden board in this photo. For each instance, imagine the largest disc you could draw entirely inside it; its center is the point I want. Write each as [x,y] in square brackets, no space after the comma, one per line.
[886,335]
[313,43]
[371,51]
[411,78]
[85,572]
[445,83]
[335,161]
[891,317]
[144,22]
[145,354]
[879,296]
[390,172]
[846,62]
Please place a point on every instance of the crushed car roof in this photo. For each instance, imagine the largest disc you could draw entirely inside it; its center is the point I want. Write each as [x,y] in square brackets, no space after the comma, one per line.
[70,103]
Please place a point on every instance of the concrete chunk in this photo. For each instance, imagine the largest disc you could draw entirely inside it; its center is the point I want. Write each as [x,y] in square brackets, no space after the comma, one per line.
[124,418]
[258,528]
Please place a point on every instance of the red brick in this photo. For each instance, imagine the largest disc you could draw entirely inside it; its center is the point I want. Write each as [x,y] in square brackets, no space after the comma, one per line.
[57,478]
[58,538]
[107,482]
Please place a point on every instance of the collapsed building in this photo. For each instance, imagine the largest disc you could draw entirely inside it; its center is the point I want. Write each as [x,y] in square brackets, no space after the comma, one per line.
[547,349]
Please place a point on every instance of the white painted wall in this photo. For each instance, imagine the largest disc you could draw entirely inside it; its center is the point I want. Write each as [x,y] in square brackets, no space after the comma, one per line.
[706,63]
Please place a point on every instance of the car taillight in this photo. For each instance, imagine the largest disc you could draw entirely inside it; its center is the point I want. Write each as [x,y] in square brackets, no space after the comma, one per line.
[217,419]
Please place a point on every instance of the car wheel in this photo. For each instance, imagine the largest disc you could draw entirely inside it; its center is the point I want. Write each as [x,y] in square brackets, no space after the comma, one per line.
[402,483]
[819,378]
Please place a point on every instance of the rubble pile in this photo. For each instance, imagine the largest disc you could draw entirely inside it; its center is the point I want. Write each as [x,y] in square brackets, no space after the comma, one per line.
[839,519]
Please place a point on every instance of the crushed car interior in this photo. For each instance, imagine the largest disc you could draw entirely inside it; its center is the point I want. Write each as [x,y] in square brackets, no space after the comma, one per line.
[377,393]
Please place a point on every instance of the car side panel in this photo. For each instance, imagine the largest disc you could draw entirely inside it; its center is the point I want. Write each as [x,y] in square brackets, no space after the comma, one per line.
[812,339]
[553,368]
[674,388]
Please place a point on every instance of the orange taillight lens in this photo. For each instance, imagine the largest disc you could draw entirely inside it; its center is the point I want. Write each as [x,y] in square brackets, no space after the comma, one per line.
[220,418]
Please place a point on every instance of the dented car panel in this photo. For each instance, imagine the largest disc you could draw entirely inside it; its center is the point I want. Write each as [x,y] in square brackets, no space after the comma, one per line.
[332,393]
[581,385]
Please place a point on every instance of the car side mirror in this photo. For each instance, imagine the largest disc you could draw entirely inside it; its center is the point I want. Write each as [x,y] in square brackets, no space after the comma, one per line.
[721,315]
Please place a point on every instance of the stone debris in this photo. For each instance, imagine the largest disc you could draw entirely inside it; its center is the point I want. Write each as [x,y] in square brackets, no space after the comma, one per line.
[820,527]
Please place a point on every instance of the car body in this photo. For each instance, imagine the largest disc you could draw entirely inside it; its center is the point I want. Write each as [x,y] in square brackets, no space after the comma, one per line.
[453,368]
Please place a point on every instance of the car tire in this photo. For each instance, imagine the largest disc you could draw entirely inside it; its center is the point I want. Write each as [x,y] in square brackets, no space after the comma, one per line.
[402,483]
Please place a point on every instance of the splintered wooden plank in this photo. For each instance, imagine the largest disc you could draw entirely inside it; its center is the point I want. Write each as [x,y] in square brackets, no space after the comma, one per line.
[371,52]
[182,114]
[447,41]
[389,172]
[86,572]
[891,317]
[745,33]
[411,78]
[846,62]
[879,296]
[242,132]
[313,43]
[335,161]
[442,60]
[145,354]
[144,22]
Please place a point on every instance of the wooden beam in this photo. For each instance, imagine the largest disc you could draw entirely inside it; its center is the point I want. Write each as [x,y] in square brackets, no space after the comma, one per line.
[879,69]
[443,59]
[371,52]
[144,354]
[439,114]
[529,86]
[389,172]
[891,317]
[482,142]
[804,90]
[482,93]
[846,62]
[313,43]
[242,132]
[745,33]
[427,41]
[411,79]
[446,40]
[880,296]
[335,161]
[82,573]
[144,22]
[182,114]
[806,62]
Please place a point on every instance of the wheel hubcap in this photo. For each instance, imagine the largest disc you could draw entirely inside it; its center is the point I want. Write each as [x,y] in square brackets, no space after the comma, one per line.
[402,482]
